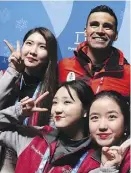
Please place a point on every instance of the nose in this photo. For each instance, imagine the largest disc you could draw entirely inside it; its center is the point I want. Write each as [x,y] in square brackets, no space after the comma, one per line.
[58,109]
[100,29]
[33,50]
[103,125]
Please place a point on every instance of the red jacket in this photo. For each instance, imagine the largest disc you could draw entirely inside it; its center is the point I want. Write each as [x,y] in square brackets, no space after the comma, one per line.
[114,75]
[93,160]
[30,159]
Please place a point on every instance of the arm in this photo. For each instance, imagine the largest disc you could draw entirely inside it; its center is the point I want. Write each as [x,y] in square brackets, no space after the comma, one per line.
[22,109]
[9,161]
[7,84]
[15,141]
[11,114]
[8,80]
[105,170]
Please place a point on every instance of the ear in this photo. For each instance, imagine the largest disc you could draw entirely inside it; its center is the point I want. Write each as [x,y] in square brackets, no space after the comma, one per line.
[85,35]
[85,32]
[116,36]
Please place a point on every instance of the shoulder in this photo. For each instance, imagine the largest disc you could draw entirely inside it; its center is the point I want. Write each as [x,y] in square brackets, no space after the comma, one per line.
[66,61]
[2,72]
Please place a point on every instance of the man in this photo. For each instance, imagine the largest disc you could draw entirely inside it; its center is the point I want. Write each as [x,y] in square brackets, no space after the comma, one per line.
[102,66]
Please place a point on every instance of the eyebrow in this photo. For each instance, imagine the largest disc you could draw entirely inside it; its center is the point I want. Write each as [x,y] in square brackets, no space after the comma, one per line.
[109,112]
[33,41]
[62,97]
[113,111]
[94,113]
[95,21]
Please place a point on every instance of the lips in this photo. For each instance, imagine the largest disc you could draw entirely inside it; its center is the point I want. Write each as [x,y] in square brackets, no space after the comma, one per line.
[104,135]
[100,39]
[31,59]
[58,118]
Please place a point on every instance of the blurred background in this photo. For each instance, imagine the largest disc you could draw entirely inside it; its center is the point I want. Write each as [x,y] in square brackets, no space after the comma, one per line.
[66,19]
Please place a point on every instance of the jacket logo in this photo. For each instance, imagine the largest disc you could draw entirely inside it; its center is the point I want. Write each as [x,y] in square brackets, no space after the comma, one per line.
[70,76]
[37,151]
[66,170]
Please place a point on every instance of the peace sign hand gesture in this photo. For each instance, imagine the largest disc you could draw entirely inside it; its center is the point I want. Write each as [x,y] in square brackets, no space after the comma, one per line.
[29,105]
[111,157]
[15,60]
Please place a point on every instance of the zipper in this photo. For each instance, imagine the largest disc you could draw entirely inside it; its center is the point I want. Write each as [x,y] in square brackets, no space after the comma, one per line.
[99,86]
[45,159]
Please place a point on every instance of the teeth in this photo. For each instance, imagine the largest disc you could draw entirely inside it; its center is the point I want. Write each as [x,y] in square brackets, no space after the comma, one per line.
[99,39]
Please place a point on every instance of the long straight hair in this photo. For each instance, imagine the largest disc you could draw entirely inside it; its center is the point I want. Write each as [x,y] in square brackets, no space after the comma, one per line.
[50,74]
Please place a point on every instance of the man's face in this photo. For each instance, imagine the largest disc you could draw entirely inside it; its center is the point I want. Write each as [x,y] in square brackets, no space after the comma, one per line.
[100,30]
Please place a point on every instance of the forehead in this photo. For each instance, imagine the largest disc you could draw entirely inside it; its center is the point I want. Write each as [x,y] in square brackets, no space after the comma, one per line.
[37,37]
[101,17]
[105,104]
[63,92]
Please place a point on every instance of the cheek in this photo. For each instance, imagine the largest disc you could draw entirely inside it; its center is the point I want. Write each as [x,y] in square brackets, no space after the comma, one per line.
[43,55]
[24,50]
[118,128]
[92,128]
[52,110]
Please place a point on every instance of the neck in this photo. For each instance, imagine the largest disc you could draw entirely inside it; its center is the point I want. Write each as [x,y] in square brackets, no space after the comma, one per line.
[35,72]
[75,133]
[98,56]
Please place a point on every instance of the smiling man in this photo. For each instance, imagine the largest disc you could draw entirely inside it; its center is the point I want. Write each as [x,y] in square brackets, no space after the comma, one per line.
[96,61]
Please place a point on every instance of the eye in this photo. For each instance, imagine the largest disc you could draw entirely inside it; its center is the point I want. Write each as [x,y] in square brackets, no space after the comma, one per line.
[28,43]
[54,102]
[42,46]
[108,26]
[67,102]
[94,24]
[112,117]
[94,118]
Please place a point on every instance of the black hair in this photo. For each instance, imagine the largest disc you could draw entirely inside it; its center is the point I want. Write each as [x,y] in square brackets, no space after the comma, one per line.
[123,103]
[106,9]
[84,93]
[50,74]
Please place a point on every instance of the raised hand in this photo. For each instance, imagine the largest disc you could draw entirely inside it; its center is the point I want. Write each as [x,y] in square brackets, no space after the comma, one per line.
[15,60]
[111,157]
[29,105]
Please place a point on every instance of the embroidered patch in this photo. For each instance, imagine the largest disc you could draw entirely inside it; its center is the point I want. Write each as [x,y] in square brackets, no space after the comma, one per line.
[37,151]
[64,170]
[71,76]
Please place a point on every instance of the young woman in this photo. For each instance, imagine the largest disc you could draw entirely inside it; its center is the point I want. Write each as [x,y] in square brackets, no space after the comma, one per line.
[109,125]
[32,71]
[53,150]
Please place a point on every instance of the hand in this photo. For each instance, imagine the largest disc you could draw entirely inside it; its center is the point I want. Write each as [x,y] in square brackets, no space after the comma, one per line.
[29,105]
[125,145]
[111,157]
[15,60]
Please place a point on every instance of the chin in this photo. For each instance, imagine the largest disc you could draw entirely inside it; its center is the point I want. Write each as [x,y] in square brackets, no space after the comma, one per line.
[60,126]
[99,47]
[29,65]
[104,143]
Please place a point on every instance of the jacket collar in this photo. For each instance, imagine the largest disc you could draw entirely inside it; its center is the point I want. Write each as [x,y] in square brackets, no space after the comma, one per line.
[96,155]
[114,63]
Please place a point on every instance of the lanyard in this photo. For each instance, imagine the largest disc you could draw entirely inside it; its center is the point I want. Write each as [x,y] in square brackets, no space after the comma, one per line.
[77,166]
[36,91]
[43,162]
[25,122]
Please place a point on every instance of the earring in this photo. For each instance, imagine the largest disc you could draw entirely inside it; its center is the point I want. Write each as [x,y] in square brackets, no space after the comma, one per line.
[125,134]
[85,115]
